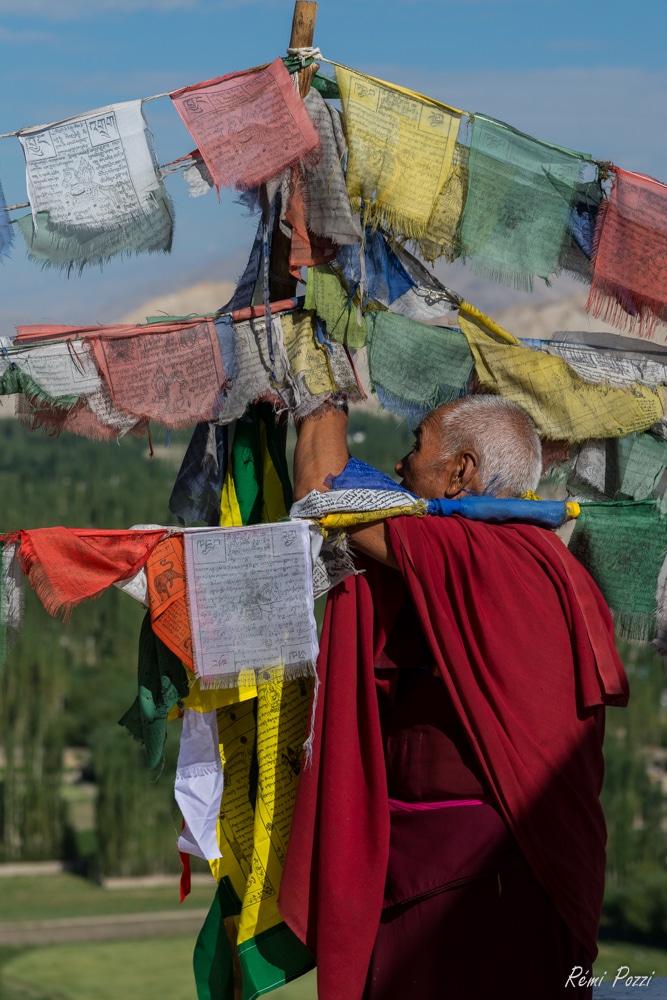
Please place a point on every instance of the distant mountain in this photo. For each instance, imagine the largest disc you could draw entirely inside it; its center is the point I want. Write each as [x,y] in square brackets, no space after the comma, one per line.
[206,297]
[541,321]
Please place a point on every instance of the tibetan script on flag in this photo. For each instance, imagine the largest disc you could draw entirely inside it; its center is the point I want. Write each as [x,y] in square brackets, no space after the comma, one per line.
[249,126]
[401,156]
[94,188]
[250,593]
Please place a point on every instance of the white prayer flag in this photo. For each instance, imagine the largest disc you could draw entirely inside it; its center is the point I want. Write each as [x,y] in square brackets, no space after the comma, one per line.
[250,594]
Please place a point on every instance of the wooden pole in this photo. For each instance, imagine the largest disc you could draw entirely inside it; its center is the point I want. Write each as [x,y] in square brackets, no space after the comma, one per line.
[282,285]
[303,33]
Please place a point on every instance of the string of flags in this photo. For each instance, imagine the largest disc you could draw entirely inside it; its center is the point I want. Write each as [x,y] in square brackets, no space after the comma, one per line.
[455,184]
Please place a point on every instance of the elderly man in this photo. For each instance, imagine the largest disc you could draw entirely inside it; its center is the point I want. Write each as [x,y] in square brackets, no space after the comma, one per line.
[448,840]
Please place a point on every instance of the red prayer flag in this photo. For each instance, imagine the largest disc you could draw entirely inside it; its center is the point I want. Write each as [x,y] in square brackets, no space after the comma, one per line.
[249,126]
[629,285]
[170,373]
[68,565]
[306,249]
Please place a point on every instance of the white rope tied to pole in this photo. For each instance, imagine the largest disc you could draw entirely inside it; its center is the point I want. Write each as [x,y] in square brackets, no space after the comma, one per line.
[305,53]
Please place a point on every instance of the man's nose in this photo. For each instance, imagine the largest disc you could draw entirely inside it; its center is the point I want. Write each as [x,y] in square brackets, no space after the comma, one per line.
[398,468]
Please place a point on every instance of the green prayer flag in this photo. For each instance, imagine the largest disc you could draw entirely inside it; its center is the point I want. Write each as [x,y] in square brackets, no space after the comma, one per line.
[71,249]
[162,682]
[15,380]
[520,193]
[326,295]
[271,959]
[326,85]
[607,539]
[212,960]
[414,367]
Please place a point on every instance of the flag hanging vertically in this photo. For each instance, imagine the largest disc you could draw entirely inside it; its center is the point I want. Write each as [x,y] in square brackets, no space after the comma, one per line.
[629,286]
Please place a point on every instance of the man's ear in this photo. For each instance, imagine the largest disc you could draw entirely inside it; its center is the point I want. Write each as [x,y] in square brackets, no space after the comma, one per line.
[461,474]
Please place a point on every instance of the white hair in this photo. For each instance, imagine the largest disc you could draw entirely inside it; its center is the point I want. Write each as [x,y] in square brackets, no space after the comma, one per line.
[504,438]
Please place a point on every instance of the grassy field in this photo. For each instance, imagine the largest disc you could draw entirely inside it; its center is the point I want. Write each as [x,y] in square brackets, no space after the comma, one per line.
[153,968]
[149,968]
[157,968]
[641,961]
[53,896]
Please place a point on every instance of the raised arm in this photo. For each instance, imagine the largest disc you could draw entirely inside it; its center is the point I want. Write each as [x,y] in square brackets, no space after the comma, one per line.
[321,451]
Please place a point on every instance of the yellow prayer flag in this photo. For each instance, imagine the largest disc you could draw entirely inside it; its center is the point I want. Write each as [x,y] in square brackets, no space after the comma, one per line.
[306,355]
[283,709]
[230,512]
[204,700]
[562,405]
[401,153]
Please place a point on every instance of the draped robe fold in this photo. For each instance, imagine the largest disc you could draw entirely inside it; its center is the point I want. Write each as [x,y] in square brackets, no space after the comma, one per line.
[524,643]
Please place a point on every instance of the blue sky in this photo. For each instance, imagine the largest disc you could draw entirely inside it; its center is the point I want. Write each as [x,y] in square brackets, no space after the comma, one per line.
[586,75]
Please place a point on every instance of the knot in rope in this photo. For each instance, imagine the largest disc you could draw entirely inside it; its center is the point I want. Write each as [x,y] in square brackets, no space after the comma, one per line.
[305,53]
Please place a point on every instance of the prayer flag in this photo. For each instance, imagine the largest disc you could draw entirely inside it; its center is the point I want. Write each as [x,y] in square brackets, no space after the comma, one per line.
[581,226]
[629,286]
[253,830]
[414,367]
[375,272]
[328,211]
[198,785]
[262,577]
[606,540]
[306,248]
[92,416]
[11,598]
[401,159]
[606,357]
[426,298]
[562,406]
[162,682]
[165,574]
[195,497]
[342,321]
[94,189]
[661,612]
[168,372]
[249,126]
[319,369]
[65,369]
[520,195]
[68,565]
[626,468]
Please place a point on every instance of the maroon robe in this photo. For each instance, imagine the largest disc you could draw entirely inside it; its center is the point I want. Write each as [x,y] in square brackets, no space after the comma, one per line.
[524,644]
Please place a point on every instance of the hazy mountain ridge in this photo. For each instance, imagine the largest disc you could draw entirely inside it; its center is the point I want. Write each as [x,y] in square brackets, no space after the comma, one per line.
[523,314]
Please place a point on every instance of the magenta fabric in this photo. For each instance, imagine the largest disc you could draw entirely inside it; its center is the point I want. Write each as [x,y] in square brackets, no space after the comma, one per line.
[396,806]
